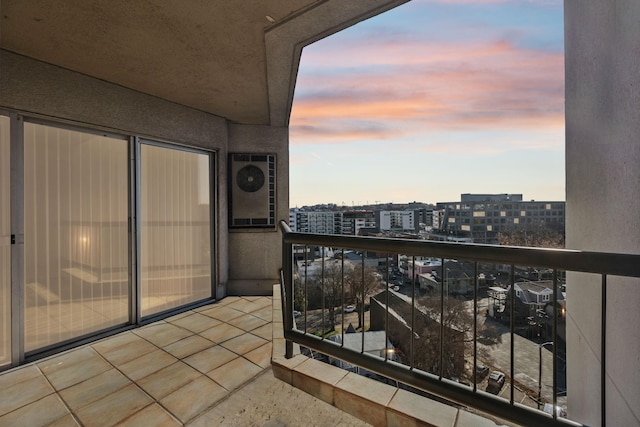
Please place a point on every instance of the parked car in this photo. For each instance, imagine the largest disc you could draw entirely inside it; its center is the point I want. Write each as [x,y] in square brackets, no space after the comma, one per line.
[349,308]
[560,411]
[496,381]
[481,371]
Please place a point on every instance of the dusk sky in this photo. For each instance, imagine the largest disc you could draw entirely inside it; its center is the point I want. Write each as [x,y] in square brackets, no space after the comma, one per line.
[430,100]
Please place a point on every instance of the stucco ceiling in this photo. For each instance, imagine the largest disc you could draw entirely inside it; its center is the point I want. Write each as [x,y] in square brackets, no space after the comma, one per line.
[209,55]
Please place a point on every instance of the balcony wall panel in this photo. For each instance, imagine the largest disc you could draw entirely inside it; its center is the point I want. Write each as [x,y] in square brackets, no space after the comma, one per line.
[256,254]
[602,40]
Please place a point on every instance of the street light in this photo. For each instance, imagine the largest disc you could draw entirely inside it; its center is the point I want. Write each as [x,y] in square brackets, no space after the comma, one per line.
[540,370]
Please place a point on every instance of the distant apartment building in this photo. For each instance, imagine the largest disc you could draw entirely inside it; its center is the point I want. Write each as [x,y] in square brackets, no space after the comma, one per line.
[399,221]
[437,216]
[315,222]
[354,221]
[482,216]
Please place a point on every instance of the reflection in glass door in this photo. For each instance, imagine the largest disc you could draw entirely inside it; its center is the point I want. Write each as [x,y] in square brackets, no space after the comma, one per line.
[76,212]
[175,228]
[5,244]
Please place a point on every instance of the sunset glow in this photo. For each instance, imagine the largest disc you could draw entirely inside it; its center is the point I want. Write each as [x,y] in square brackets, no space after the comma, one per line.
[430,100]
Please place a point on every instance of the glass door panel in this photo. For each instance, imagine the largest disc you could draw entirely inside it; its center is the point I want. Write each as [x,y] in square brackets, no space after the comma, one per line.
[76,234]
[175,233]
[5,244]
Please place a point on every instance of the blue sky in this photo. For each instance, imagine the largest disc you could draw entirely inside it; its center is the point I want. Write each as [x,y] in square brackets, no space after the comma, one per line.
[430,100]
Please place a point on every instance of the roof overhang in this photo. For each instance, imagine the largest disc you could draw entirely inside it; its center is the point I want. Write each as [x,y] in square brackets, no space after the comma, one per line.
[237,60]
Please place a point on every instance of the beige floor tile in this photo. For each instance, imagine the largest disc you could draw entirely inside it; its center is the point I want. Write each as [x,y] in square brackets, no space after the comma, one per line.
[265,313]
[245,306]
[163,334]
[66,421]
[94,389]
[221,333]
[179,316]
[190,400]
[366,388]
[210,358]
[235,373]
[263,302]
[147,364]
[196,322]
[15,376]
[132,349]
[265,331]
[73,367]
[223,301]
[261,356]
[244,343]
[24,393]
[153,415]
[188,346]
[364,398]
[114,407]
[278,329]
[223,313]
[410,406]
[39,413]
[247,322]
[115,341]
[167,380]
[318,379]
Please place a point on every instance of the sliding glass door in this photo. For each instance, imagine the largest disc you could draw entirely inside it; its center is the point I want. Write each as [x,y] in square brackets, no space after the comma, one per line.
[116,229]
[76,255]
[5,243]
[175,227]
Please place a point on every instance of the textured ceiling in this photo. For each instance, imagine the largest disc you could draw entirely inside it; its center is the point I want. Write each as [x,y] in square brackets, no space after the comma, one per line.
[206,54]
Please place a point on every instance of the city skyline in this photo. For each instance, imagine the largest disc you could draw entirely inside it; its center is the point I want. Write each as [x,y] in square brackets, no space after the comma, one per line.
[431,100]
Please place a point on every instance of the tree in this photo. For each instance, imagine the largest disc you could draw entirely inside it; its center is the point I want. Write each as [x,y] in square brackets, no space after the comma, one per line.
[458,335]
[539,235]
[327,287]
[360,287]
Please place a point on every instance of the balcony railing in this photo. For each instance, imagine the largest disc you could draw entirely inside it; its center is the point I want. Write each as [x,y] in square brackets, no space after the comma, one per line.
[451,319]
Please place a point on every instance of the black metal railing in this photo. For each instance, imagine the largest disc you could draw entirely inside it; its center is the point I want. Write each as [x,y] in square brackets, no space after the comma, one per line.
[430,333]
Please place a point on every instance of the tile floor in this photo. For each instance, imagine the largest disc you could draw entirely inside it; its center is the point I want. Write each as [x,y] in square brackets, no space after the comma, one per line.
[209,366]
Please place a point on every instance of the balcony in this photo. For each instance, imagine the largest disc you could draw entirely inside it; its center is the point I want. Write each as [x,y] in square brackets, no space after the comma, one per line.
[207,366]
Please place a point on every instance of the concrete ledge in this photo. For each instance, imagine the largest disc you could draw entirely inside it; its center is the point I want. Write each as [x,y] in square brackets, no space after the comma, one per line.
[371,401]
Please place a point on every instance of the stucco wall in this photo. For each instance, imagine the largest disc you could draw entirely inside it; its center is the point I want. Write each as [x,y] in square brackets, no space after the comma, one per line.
[37,88]
[602,40]
[255,256]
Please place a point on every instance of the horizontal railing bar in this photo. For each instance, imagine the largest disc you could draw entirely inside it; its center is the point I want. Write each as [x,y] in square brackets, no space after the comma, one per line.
[517,413]
[564,259]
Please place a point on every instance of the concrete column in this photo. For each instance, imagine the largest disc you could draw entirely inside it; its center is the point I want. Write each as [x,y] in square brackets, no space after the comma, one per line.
[255,255]
[602,39]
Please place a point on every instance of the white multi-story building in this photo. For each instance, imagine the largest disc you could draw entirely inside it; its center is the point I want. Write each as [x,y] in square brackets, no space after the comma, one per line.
[315,222]
[397,221]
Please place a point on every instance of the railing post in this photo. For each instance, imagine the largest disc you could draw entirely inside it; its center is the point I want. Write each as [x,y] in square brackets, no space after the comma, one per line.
[287,288]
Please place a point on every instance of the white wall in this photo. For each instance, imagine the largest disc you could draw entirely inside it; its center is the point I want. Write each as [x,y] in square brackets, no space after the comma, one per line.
[602,39]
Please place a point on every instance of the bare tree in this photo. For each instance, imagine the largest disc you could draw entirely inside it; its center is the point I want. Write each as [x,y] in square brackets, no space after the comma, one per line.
[539,235]
[327,285]
[360,286]
[457,331]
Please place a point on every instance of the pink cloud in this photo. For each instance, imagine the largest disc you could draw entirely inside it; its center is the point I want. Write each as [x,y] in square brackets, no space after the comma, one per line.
[397,89]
